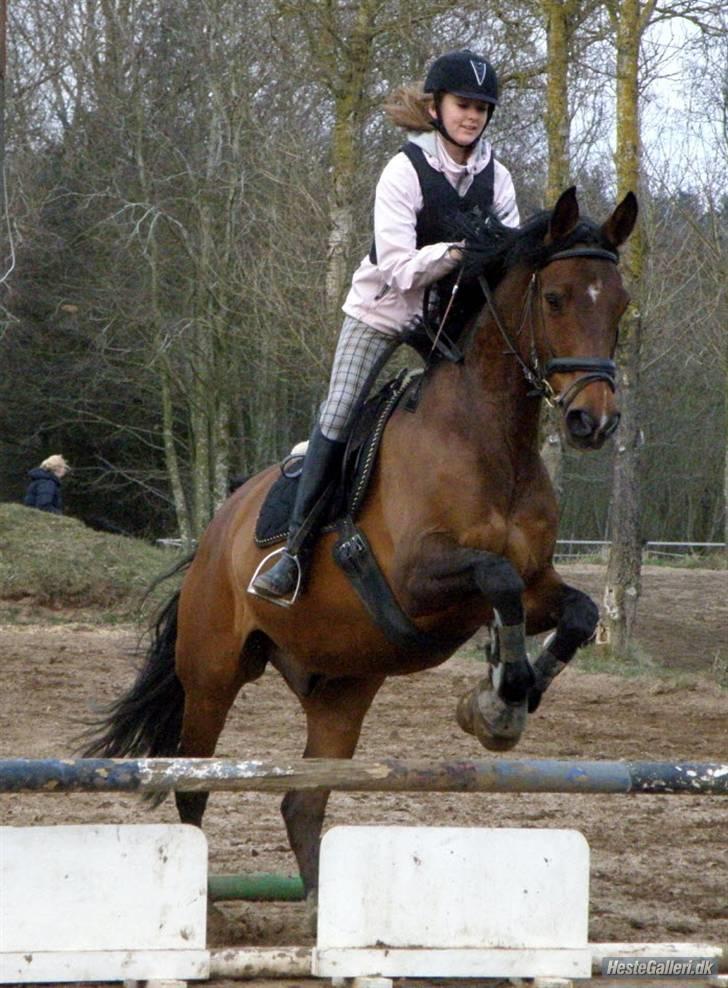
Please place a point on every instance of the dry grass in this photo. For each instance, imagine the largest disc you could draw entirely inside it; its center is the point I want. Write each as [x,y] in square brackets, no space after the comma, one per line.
[51,561]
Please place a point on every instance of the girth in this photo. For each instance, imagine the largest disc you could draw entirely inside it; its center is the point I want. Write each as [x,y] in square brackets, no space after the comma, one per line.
[355,557]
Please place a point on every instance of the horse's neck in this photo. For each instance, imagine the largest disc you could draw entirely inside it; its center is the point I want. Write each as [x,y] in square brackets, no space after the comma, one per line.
[497,391]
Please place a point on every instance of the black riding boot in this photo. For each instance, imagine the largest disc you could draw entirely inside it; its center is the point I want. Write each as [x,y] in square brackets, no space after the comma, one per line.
[320,463]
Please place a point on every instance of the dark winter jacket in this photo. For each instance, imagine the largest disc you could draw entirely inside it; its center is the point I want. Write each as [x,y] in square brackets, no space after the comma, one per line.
[44,491]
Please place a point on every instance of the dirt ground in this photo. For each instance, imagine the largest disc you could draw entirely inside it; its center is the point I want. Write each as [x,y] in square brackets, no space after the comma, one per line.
[659,863]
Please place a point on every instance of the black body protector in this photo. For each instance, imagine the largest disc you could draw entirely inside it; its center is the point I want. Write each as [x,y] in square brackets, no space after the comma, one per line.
[437,221]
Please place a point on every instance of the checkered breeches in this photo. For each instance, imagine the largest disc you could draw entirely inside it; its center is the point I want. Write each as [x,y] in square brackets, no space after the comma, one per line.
[357,351]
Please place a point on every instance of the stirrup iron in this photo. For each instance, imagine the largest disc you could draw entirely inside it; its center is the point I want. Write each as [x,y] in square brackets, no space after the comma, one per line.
[280,601]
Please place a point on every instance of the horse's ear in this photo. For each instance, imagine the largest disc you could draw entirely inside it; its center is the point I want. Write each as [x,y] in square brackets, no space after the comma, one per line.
[621,223]
[564,217]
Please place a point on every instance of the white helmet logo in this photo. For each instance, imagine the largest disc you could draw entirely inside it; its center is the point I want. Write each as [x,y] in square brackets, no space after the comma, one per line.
[479,69]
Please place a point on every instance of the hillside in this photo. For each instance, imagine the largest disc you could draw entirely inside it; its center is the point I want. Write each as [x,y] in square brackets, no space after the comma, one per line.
[57,562]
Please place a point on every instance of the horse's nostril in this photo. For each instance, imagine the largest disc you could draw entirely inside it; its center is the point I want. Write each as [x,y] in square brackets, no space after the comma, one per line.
[580,423]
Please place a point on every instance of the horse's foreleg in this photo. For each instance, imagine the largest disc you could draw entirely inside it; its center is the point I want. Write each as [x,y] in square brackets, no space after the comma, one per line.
[496,710]
[551,602]
[334,714]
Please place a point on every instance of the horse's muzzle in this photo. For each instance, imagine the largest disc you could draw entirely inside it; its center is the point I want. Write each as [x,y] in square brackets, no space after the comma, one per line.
[585,431]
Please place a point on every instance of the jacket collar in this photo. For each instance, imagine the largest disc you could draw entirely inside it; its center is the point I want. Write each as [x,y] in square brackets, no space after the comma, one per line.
[437,156]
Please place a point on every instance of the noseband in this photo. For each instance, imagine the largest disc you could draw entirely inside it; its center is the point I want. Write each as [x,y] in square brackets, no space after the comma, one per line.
[594,368]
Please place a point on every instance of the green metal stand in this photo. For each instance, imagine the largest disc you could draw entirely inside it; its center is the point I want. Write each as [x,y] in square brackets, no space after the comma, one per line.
[257,887]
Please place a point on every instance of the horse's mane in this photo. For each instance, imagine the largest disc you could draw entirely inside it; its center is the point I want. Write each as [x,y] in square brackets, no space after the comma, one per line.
[494,248]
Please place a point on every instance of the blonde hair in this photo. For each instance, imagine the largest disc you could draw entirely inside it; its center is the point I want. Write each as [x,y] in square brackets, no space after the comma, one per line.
[54,462]
[409,107]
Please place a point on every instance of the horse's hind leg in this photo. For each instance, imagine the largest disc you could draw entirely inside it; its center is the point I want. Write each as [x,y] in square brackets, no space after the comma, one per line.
[552,602]
[334,714]
[212,669]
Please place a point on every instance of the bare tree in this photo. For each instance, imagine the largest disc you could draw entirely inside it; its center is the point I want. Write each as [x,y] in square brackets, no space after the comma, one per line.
[183,234]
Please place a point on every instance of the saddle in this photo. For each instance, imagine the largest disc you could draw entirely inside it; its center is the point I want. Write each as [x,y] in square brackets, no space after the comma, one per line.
[356,470]
[352,551]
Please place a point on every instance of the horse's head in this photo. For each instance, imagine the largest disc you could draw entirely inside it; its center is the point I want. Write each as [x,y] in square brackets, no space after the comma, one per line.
[577,300]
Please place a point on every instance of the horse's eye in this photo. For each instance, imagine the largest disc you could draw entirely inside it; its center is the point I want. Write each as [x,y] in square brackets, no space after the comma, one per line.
[554,300]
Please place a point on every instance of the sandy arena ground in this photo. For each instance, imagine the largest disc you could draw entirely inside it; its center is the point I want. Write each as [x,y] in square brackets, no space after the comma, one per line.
[659,864]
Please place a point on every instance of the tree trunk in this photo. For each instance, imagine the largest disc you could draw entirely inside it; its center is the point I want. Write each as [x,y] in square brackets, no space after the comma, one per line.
[170,454]
[725,474]
[184,521]
[623,580]
[552,450]
[341,222]
[350,108]
[3,34]
[213,373]
[556,15]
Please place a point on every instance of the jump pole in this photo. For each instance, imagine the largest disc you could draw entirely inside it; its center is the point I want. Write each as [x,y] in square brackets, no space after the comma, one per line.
[161,775]
[295,962]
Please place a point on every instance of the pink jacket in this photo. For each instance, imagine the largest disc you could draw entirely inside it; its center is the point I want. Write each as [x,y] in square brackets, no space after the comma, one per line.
[386,295]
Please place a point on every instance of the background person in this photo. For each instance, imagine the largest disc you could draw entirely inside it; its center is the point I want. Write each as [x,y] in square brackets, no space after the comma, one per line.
[44,490]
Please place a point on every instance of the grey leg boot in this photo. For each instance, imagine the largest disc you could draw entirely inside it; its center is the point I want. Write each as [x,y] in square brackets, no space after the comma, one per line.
[320,464]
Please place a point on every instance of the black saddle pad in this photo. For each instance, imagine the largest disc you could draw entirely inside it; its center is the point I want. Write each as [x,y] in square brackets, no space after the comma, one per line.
[272,524]
[356,471]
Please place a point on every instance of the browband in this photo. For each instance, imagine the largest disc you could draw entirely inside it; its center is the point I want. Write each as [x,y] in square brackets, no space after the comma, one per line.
[596,252]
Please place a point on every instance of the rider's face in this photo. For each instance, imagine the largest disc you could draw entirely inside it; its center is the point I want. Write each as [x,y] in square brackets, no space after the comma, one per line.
[464,118]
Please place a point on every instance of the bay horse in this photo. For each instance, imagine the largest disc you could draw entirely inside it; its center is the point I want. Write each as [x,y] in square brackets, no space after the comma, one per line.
[461,518]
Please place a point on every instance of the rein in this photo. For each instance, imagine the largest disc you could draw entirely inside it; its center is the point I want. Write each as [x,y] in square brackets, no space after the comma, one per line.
[595,368]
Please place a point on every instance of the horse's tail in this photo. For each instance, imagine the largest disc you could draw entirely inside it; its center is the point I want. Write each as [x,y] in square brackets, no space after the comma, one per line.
[147,720]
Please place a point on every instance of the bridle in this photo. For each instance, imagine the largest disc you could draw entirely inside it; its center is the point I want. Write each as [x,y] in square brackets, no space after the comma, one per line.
[594,368]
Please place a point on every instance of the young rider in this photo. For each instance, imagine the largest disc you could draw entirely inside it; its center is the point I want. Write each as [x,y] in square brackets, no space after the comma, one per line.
[446,165]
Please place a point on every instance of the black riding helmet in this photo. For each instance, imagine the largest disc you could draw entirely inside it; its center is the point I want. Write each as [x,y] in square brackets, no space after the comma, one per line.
[462,73]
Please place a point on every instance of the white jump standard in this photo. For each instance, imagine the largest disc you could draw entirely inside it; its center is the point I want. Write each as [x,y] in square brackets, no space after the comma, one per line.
[403,902]
[103,903]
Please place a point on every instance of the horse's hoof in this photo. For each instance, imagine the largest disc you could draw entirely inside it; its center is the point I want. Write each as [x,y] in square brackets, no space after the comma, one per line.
[464,712]
[496,724]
